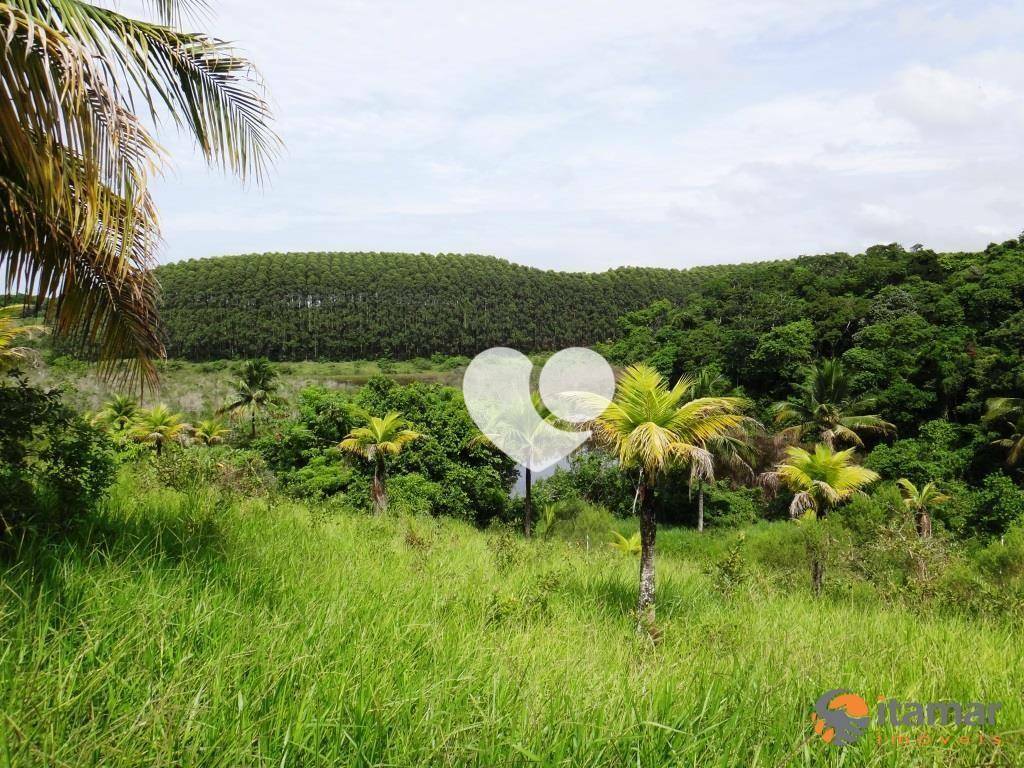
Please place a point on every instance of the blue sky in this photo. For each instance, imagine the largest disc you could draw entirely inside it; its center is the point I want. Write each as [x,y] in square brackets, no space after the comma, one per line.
[586,135]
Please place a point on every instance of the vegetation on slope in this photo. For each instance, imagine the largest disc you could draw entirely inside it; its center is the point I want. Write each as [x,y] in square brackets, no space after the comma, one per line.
[348,305]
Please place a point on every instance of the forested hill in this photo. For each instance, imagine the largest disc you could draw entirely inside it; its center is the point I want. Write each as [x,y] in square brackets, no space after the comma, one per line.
[368,305]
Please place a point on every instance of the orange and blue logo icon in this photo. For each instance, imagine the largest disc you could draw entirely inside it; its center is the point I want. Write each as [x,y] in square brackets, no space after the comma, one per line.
[840,717]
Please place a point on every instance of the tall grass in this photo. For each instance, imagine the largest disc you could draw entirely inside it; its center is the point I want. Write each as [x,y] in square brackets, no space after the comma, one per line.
[193,631]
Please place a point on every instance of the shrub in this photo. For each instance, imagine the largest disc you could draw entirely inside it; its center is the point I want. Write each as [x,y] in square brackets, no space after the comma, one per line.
[998,503]
[732,507]
[325,475]
[1003,560]
[54,466]
[413,494]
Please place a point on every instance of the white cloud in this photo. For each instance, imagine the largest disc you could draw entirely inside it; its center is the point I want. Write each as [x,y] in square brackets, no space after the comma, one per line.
[585,135]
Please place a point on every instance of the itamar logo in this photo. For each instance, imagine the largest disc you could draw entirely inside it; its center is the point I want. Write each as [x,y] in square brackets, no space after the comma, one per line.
[841,718]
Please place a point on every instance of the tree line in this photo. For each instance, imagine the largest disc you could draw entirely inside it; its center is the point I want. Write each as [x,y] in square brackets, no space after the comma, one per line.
[948,315]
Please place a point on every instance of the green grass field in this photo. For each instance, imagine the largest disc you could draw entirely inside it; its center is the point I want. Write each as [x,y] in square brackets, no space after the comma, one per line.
[199,631]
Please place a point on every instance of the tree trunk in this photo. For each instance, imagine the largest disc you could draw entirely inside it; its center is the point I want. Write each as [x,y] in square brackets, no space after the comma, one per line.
[924,524]
[700,506]
[252,421]
[817,574]
[528,505]
[379,491]
[648,531]
[159,447]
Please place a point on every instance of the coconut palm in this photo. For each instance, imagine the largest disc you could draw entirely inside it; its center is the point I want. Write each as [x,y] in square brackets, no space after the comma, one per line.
[824,410]
[820,481]
[79,223]
[1010,412]
[210,431]
[650,427]
[117,413]
[734,452]
[920,503]
[254,391]
[158,426]
[10,332]
[378,439]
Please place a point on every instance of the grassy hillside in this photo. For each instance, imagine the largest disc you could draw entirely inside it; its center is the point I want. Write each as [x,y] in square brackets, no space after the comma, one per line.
[195,630]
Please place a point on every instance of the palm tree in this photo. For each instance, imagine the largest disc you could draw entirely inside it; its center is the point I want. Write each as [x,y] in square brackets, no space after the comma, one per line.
[820,481]
[824,410]
[1009,410]
[650,427]
[79,224]
[254,391]
[380,438]
[117,413]
[210,431]
[10,331]
[259,374]
[731,451]
[158,425]
[920,503]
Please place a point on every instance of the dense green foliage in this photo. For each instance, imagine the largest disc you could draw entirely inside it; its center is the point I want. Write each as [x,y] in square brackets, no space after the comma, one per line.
[444,471]
[761,321]
[54,466]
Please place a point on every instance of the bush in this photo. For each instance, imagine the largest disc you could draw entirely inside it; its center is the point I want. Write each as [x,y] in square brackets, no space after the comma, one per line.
[325,475]
[413,494]
[593,477]
[54,466]
[731,507]
[998,504]
[186,470]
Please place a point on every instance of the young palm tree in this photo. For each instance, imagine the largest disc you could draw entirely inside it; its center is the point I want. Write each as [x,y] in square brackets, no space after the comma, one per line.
[117,413]
[1010,411]
[210,431]
[254,391]
[651,426]
[920,503]
[10,332]
[820,481]
[824,410]
[380,438]
[158,426]
[79,224]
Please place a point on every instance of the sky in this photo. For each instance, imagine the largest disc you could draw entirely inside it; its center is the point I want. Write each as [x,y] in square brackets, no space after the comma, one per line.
[583,135]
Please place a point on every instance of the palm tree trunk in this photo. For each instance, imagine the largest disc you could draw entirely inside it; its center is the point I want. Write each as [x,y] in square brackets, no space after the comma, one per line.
[700,506]
[528,504]
[648,531]
[379,490]
[817,575]
[252,421]
[924,524]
